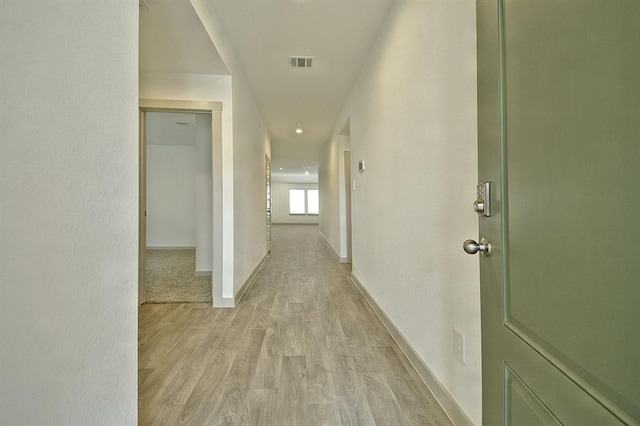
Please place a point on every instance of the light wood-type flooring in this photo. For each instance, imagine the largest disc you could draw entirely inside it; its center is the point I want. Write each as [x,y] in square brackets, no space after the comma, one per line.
[301,348]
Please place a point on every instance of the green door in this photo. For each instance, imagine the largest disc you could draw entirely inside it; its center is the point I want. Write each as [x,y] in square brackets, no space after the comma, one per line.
[559,142]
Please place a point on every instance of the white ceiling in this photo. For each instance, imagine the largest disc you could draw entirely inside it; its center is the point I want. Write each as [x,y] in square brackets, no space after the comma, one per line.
[263,34]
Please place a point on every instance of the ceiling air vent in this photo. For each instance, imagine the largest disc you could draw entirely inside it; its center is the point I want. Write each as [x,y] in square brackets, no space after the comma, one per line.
[301,61]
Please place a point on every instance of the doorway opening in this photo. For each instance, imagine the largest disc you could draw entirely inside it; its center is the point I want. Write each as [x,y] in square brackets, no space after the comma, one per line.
[180,254]
[179,200]
[344,141]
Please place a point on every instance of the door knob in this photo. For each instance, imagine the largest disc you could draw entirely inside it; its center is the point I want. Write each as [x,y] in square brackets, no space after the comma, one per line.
[471,247]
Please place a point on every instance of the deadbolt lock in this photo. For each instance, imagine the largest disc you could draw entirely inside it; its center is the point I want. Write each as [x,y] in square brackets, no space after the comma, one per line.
[482,205]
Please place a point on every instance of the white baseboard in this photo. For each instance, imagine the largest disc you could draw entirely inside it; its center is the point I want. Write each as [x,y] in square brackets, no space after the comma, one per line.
[171,247]
[295,223]
[223,302]
[202,273]
[444,398]
[336,256]
[249,280]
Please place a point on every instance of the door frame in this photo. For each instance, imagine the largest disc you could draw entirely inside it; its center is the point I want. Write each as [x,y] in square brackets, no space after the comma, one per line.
[347,206]
[269,195]
[197,107]
[345,192]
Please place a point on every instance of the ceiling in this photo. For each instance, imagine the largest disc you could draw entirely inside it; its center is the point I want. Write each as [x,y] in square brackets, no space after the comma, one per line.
[263,34]
[173,40]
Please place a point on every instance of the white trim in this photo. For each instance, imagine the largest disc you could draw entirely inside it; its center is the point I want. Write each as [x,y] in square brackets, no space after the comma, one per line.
[225,302]
[335,254]
[171,247]
[249,282]
[295,223]
[444,398]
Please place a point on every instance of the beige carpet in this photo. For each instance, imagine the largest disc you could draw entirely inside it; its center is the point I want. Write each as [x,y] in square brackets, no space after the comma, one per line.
[170,278]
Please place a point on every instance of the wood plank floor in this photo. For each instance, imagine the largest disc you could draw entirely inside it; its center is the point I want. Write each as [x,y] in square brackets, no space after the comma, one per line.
[302,348]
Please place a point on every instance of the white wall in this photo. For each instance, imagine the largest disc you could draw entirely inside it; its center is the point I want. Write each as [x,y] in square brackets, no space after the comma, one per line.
[69,178]
[193,87]
[180,184]
[250,145]
[332,198]
[204,194]
[201,87]
[413,119]
[171,195]
[280,203]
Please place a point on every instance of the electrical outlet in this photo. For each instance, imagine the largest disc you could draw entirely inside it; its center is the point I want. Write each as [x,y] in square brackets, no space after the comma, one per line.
[459,350]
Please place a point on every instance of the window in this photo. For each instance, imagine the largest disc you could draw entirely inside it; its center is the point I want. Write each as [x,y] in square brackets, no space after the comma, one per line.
[303,201]
[296,201]
[313,204]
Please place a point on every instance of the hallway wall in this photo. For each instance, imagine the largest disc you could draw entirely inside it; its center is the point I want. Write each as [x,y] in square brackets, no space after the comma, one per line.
[331,179]
[69,178]
[413,120]
[251,143]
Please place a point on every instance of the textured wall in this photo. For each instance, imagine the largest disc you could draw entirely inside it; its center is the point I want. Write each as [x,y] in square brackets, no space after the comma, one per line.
[69,179]
[171,196]
[328,183]
[413,120]
[250,145]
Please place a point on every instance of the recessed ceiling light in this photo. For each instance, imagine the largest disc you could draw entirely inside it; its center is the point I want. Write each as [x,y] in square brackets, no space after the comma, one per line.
[281,168]
[306,173]
[298,130]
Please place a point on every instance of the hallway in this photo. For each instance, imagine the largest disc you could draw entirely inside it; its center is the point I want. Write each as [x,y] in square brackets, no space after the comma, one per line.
[302,348]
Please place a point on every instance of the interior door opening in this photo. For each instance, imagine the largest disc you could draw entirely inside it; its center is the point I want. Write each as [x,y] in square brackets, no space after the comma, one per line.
[179,201]
[178,254]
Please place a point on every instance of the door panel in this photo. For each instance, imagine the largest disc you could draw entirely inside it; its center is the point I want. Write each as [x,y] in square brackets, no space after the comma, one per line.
[524,406]
[559,138]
